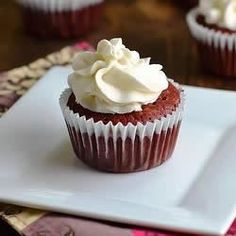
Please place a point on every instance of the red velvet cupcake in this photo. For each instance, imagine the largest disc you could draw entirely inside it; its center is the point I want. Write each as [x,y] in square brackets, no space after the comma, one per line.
[122,113]
[60,18]
[213,26]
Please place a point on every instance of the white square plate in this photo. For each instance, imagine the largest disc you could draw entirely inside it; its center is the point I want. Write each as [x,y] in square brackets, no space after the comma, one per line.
[194,191]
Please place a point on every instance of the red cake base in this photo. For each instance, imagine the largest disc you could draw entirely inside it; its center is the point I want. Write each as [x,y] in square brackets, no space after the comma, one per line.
[64,24]
[122,143]
[219,61]
[124,157]
[163,106]
[127,149]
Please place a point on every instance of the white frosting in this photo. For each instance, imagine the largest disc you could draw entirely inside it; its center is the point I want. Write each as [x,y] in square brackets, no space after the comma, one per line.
[220,12]
[58,5]
[114,79]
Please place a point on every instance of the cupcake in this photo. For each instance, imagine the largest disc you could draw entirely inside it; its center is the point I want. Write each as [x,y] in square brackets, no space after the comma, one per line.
[122,113]
[213,26]
[63,18]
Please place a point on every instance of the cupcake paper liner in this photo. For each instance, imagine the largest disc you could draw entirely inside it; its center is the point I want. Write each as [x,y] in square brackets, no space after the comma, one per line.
[119,148]
[217,49]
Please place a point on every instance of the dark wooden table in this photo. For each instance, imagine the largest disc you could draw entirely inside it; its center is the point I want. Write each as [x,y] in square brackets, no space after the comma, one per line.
[155,28]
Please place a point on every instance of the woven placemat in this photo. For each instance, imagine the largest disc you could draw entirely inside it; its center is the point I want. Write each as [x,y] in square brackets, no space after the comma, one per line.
[31,222]
[16,82]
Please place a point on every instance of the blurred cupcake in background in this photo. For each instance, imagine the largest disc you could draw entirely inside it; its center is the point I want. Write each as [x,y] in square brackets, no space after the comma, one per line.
[213,26]
[60,18]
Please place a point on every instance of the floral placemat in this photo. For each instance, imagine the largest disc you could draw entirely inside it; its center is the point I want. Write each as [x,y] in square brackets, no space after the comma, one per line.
[31,222]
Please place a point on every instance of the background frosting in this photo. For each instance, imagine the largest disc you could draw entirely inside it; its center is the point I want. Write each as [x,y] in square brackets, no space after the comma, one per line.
[220,12]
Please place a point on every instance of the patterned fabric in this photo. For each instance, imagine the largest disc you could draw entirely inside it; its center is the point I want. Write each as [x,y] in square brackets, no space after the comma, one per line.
[54,225]
[30,222]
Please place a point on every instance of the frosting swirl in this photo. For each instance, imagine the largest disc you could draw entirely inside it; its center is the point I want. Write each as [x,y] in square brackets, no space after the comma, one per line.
[114,79]
[220,12]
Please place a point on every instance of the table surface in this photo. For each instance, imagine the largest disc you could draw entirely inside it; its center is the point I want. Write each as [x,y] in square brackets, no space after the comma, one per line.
[155,28]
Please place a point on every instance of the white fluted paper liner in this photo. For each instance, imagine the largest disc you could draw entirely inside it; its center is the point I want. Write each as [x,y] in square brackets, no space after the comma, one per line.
[216,48]
[87,132]
[58,5]
[209,36]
